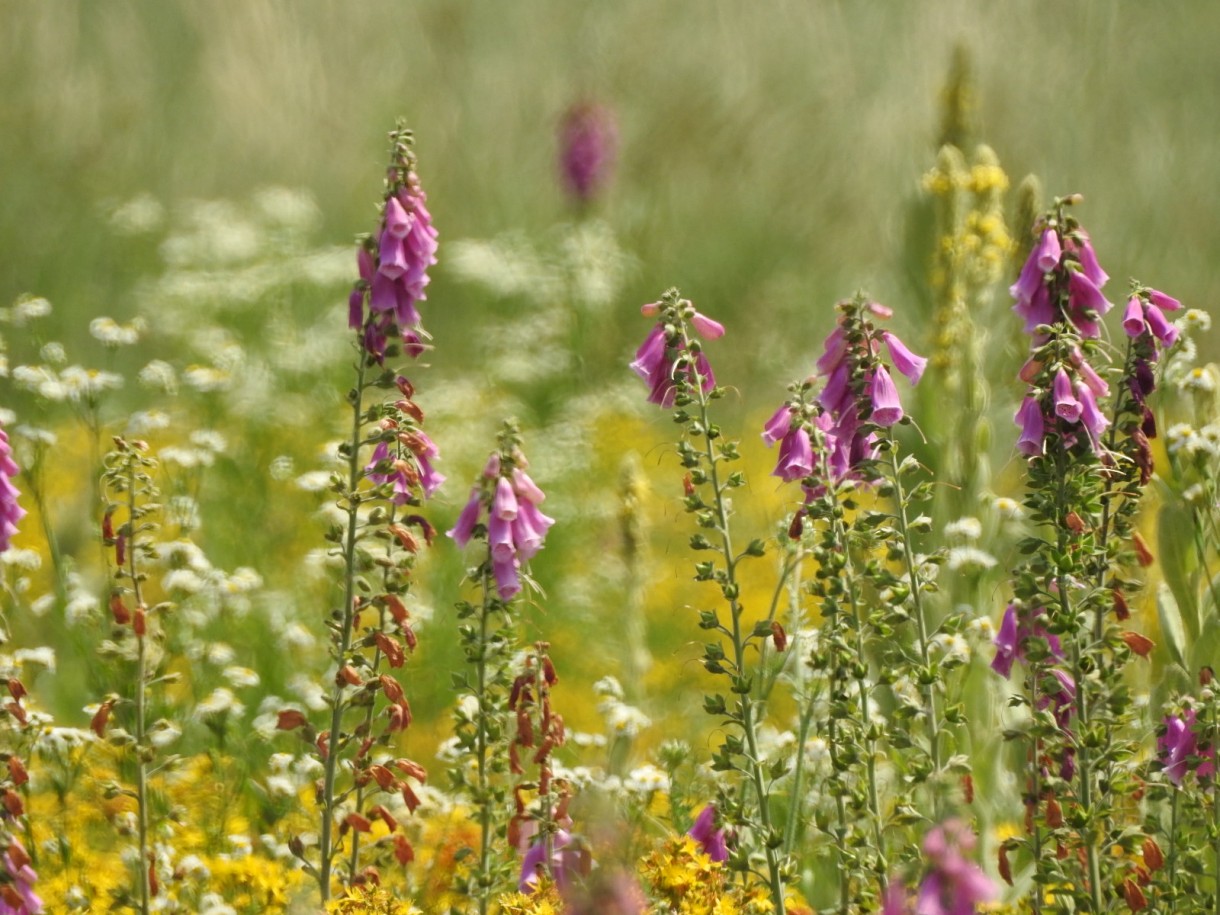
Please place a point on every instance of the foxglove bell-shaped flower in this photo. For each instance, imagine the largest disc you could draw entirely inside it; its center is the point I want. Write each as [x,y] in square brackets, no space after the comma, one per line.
[904,360]
[1133,317]
[1082,247]
[887,408]
[567,862]
[1179,743]
[1066,405]
[795,456]
[1090,416]
[711,840]
[588,141]
[657,358]
[777,426]
[10,511]
[1161,327]
[516,527]
[1163,301]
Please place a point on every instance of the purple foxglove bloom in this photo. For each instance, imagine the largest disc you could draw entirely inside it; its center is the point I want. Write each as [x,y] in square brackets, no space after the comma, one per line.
[1036,310]
[392,256]
[710,839]
[1066,405]
[504,503]
[795,456]
[355,309]
[1048,251]
[650,358]
[1092,418]
[1163,301]
[1133,317]
[491,469]
[881,311]
[887,409]
[1007,643]
[1178,744]
[1029,281]
[706,327]
[500,538]
[567,862]
[405,312]
[397,220]
[833,352]
[526,489]
[953,885]
[383,294]
[1089,376]
[364,263]
[1161,328]
[588,141]
[1088,261]
[777,426]
[836,395]
[904,360]
[430,479]
[464,527]
[529,530]
[10,511]
[1084,295]
[508,581]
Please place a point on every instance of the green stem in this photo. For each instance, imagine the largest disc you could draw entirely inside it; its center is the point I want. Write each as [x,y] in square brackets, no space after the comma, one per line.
[921,623]
[1084,761]
[746,703]
[355,473]
[140,699]
[1173,850]
[481,748]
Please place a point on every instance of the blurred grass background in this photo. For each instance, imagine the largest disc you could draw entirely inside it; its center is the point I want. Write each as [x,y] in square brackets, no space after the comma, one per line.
[769,156]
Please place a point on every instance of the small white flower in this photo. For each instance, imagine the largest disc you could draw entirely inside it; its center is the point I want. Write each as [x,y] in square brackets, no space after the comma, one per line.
[111,333]
[608,686]
[184,580]
[143,422]
[218,702]
[314,481]
[160,376]
[209,439]
[29,560]
[982,628]
[964,528]
[220,654]
[970,558]
[1008,509]
[241,677]
[282,467]
[163,733]
[53,353]
[1201,379]
[297,636]
[28,308]
[1195,320]
[646,779]
[36,657]
[205,378]
[817,750]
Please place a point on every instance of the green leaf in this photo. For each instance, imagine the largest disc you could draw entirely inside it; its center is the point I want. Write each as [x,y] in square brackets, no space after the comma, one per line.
[1176,553]
[1171,623]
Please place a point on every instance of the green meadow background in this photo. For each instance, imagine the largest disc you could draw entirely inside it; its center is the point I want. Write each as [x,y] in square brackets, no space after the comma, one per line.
[769,164]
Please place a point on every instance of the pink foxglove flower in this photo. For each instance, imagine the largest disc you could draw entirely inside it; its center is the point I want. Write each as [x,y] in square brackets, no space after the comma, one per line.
[506,500]
[777,426]
[795,456]
[10,511]
[904,360]
[394,264]
[657,359]
[1179,744]
[588,143]
[887,408]
[1161,328]
[568,861]
[1133,317]
[1066,405]
[711,840]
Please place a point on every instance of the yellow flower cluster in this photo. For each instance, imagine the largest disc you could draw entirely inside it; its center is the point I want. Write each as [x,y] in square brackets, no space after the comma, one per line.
[685,881]
[369,900]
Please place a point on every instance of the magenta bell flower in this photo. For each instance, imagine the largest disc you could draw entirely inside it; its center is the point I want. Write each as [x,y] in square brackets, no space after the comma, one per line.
[904,360]
[588,141]
[710,839]
[1161,328]
[1033,430]
[516,528]
[1011,637]
[10,511]
[567,862]
[1092,418]
[1178,744]
[1133,317]
[1084,252]
[1163,301]
[1066,405]
[656,360]
[887,408]
[795,456]
[777,426]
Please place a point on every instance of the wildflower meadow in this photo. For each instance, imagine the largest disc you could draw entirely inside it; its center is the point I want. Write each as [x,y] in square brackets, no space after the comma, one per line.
[540,589]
